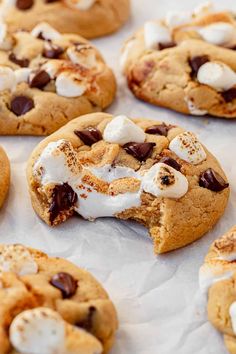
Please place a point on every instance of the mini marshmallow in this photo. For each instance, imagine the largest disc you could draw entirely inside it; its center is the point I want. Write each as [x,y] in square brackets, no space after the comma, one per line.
[68,85]
[232,312]
[22,75]
[164,181]
[81,4]
[175,18]
[188,148]
[52,67]
[17,259]
[217,75]
[38,331]
[218,33]
[7,78]
[155,33]
[122,130]
[83,55]
[47,31]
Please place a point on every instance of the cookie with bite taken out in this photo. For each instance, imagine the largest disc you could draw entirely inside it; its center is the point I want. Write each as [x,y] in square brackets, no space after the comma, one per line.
[105,166]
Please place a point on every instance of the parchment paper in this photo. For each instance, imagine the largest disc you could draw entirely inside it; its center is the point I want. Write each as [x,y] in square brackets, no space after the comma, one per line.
[157,298]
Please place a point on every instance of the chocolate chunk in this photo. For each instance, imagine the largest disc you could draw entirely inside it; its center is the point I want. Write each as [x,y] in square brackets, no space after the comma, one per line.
[160,129]
[89,136]
[24,4]
[196,63]
[165,180]
[166,45]
[87,323]
[171,162]
[141,151]
[40,79]
[210,179]
[229,95]
[66,283]
[21,105]
[63,198]
[21,62]
[52,51]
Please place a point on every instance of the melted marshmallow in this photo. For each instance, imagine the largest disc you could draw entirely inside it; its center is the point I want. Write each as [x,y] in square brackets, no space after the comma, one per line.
[188,148]
[47,31]
[155,33]
[109,173]
[217,75]
[38,331]
[193,109]
[81,4]
[177,18]
[232,312]
[219,33]
[83,55]
[68,85]
[126,52]
[208,277]
[7,78]
[22,75]
[203,8]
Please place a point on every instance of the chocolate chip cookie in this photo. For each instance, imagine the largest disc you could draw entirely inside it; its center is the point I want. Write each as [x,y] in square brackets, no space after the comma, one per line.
[4,175]
[217,277]
[144,170]
[185,62]
[48,79]
[51,304]
[89,18]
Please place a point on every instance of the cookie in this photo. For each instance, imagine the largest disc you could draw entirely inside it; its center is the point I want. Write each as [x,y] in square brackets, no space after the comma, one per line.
[88,18]
[185,62]
[47,79]
[50,303]
[144,170]
[217,277]
[4,175]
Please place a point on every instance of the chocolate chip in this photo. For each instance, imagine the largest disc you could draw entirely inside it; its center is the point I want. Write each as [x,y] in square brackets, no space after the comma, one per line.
[24,4]
[141,151]
[87,323]
[171,162]
[66,283]
[166,45]
[160,129]
[63,198]
[196,63]
[52,51]
[165,180]
[40,79]
[229,95]
[21,105]
[89,136]
[210,179]
[21,62]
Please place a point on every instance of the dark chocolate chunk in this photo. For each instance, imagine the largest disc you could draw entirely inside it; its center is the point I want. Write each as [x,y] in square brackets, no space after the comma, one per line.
[210,179]
[141,151]
[21,62]
[196,62]
[52,51]
[89,136]
[40,79]
[229,95]
[21,105]
[167,45]
[87,323]
[24,4]
[63,198]
[165,180]
[66,283]
[160,129]
[171,162]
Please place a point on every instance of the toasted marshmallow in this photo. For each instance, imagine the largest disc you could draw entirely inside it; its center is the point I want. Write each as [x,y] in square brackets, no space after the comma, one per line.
[38,331]
[217,75]
[22,75]
[5,42]
[47,31]
[69,85]
[81,4]
[83,55]
[52,67]
[218,33]
[155,33]
[177,18]
[232,312]
[193,109]
[164,181]
[17,259]
[7,78]
[188,148]
[122,130]
[209,274]
[203,8]
[125,53]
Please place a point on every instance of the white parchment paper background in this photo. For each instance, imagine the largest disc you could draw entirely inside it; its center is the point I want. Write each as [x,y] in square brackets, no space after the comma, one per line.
[157,298]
